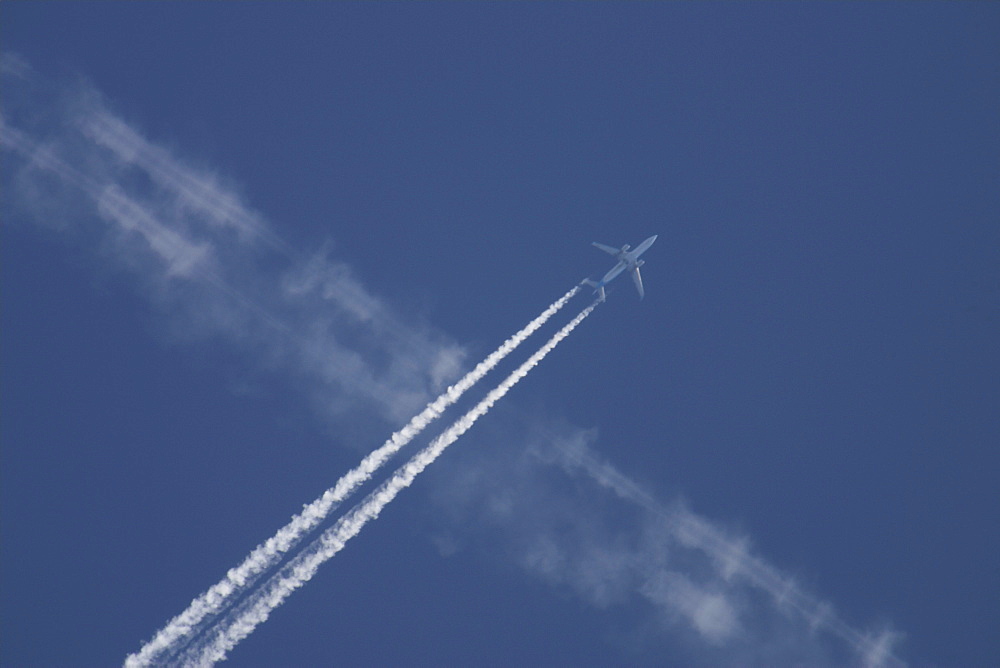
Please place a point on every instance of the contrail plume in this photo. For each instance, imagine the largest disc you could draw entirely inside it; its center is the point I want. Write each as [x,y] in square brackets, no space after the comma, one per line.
[267,555]
[734,563]
[258,607]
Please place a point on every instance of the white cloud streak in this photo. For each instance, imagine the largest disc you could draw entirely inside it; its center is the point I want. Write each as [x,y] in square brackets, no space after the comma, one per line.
[268,554]
[197,192]
[574,521]
[304,566]
[733,564]
[72,165]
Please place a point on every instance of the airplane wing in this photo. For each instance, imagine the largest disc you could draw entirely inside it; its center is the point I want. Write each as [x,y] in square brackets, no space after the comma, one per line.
[637,278]
[606,249]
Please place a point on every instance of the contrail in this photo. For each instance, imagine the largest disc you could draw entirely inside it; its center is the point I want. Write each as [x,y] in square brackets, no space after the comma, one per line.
[258,607]
[266,555]
[735,562]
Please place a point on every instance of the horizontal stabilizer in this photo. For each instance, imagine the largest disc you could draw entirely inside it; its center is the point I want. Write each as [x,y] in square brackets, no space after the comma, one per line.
[598,288]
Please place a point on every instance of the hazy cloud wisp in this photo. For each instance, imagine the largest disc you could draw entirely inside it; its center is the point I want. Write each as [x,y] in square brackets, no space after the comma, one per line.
[207,257]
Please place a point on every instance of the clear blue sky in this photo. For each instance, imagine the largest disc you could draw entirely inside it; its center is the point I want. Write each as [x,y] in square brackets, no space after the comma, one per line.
[814,371]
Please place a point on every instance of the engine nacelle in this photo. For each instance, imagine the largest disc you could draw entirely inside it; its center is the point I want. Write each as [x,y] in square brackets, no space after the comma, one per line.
[640,263]
[625,248]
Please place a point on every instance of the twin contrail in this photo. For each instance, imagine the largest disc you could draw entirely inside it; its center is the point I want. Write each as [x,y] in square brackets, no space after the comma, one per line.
[258,606]
[265,556]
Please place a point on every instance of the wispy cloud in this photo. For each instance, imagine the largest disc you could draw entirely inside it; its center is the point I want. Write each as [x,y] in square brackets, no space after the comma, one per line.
[574,520]
[11,64]
[732,567]
[209,258]
[195,193]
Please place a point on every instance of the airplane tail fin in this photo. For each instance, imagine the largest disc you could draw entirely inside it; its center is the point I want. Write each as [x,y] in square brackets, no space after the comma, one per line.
[598,288]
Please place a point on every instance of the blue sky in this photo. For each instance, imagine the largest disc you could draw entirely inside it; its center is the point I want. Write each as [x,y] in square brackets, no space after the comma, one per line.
[243,244]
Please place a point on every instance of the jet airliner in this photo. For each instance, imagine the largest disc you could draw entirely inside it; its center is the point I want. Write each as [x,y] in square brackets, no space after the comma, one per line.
[627,259]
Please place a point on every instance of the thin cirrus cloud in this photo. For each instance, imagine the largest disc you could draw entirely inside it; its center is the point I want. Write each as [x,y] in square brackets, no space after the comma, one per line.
[80,169]
[73,165]
[575,521]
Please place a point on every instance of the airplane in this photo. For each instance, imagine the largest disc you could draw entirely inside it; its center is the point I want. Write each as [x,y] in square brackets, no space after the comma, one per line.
[626,260]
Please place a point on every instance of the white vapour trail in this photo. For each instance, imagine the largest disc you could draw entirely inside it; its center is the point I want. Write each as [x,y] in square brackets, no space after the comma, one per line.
[303,567]
[203,254]
[734,563]
[267,555]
